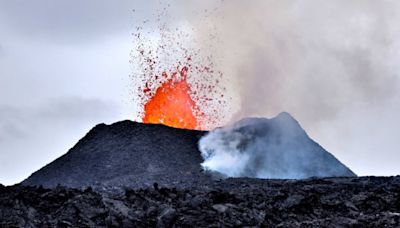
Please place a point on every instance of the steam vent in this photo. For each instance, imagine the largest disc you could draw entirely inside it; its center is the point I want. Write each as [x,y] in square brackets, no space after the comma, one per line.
[268,148]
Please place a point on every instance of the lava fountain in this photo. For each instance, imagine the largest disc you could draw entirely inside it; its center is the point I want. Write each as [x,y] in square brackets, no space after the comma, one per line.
[172,104]
[176,83]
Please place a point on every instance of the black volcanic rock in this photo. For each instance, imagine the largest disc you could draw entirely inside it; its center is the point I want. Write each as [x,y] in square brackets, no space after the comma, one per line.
[126,154]
[244,202]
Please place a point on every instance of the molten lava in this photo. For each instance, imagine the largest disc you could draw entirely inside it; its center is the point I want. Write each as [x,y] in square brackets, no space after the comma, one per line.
[172,104]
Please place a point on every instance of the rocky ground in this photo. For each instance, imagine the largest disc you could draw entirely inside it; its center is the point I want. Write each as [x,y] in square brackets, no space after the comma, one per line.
[329,202]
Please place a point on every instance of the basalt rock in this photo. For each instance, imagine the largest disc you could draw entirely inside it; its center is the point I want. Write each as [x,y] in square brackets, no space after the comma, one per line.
[244,202]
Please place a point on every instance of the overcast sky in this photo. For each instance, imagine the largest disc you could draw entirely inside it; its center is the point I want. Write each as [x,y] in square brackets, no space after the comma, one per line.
[64,67]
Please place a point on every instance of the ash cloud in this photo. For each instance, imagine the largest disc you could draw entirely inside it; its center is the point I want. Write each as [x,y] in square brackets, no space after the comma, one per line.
[332,64]
[282,55]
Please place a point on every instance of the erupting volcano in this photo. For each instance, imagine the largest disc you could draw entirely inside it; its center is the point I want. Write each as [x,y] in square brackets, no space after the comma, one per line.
[176,82]
[172,104]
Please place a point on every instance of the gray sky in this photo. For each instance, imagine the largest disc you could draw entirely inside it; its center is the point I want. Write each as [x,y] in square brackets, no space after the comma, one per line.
[64,67]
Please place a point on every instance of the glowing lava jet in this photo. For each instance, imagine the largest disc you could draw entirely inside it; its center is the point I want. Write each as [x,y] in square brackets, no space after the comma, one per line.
[172,97]
[172,104]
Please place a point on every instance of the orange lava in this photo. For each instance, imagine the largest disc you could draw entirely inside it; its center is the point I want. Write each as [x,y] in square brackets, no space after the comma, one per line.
[172,104]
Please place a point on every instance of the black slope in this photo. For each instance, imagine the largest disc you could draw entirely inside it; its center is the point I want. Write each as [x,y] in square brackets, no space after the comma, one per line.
[126,154]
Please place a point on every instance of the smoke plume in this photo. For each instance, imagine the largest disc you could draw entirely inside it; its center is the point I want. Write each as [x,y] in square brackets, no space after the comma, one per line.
[332,64]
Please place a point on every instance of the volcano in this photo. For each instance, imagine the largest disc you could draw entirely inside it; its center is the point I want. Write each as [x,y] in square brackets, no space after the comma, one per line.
[127,154]
[138,155]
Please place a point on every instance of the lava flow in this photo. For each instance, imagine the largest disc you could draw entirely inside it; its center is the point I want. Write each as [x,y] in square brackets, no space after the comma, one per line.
[172,104]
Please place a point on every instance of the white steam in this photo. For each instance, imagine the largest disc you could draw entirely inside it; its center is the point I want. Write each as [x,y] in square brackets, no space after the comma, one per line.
[220,150]
[267,148]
